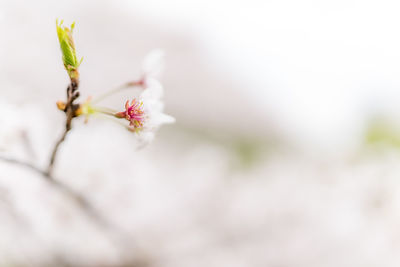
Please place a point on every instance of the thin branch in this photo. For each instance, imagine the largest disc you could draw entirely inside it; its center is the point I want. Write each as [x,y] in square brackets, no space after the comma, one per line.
[54,154]
[25,164]
[81,201]
[27,144]
[114,234]
[70,110]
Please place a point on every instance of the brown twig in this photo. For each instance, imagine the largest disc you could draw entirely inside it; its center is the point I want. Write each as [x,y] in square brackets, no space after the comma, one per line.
[82,202]
[114,234]
[70,111]
[25,164]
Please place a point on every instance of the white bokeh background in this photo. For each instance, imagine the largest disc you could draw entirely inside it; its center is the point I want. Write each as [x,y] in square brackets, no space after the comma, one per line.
[266,165]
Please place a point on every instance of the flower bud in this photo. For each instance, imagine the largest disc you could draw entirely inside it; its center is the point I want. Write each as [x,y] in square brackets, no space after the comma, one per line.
[61,105]
[67,46]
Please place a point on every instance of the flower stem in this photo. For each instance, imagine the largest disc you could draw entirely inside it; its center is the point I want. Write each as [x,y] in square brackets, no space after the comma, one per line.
[116,90]
[106,111]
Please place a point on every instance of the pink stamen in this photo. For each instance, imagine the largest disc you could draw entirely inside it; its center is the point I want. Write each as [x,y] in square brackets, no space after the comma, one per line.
[133,113]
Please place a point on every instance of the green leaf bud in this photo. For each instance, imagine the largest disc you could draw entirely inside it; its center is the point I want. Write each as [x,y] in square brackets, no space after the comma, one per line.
[71,63]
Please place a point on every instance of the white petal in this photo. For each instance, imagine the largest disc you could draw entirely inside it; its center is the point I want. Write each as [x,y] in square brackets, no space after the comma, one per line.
[145,137]
[154,90]
[153,64]
[153,106]
[158,119]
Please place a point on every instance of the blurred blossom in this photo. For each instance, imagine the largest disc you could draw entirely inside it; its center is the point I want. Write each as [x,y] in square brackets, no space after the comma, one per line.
[153,65]
[240,180]
[153,110]
[23,132]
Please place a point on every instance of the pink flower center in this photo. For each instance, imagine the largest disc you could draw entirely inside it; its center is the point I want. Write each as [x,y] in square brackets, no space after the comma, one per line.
[134,113]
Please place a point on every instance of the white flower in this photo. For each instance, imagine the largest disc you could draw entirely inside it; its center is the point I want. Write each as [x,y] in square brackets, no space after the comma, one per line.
[145,114]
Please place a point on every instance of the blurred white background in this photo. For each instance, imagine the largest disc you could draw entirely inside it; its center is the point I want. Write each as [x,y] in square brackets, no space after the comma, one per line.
[320,67]
[285,150]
